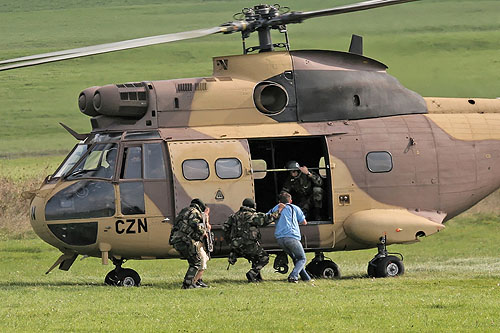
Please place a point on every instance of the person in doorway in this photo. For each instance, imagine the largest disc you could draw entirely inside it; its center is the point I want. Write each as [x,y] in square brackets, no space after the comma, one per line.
[187,238]
[241,231]
[305,186]
[288,236]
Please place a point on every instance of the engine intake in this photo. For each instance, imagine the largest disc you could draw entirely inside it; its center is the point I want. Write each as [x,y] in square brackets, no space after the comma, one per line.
[85,102]
[121,100]
[270,98]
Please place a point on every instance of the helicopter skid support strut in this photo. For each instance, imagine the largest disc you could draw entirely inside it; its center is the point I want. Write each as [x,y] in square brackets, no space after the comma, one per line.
[385,264]
[64,261]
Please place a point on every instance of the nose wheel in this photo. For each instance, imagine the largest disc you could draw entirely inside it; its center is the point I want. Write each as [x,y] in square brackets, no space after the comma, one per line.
[384,264]
[122,277]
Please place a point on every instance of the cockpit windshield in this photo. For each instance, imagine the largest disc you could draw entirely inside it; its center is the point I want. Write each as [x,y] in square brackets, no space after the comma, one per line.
[99,162]
[75,155]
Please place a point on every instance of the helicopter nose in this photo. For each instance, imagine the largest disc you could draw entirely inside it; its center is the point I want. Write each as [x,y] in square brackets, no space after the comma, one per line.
[37,219]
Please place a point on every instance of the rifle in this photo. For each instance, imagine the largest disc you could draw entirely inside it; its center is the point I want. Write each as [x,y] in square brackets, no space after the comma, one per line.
[208,242]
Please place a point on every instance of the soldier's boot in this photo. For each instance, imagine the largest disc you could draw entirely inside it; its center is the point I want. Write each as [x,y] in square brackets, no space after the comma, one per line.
[201,284]
[189,277]
[189,286]
[251,276]
[259,277]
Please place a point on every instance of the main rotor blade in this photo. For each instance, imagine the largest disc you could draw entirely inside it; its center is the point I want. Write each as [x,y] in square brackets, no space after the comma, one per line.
[105,48]
[297,17]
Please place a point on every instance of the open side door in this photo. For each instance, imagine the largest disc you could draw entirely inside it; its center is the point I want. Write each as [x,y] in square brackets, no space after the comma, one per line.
[269,157]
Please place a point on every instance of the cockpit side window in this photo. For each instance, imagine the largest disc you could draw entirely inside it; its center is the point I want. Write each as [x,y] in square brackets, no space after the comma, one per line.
[132,168]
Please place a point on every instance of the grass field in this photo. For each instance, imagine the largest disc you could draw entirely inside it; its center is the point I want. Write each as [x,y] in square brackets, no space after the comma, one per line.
[452,283]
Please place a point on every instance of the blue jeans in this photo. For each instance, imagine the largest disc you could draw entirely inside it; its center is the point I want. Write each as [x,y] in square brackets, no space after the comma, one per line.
[294,249]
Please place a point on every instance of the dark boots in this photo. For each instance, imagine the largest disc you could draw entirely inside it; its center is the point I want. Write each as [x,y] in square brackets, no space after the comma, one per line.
[254,276]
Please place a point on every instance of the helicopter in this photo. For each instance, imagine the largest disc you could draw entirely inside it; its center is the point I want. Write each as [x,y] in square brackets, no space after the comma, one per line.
[395,165]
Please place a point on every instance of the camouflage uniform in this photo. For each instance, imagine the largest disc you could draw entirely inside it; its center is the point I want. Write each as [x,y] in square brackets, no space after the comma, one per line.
[305,190]
[188,229]
[242,233]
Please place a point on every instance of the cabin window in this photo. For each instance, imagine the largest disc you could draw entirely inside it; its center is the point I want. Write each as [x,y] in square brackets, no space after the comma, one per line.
[259,168]
[133,163]
[142,135]
[379,161]
[154,165]
[195,169]
[132,198]
[228,168]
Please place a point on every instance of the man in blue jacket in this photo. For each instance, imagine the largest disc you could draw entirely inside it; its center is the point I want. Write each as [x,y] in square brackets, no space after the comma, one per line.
[288,236]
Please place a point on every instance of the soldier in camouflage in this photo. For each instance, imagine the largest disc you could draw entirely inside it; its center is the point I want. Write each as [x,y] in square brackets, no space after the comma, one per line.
[242,233]
[188,231]
[305,187]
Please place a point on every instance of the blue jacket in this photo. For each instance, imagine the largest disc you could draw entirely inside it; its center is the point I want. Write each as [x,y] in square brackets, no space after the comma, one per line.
[288,223]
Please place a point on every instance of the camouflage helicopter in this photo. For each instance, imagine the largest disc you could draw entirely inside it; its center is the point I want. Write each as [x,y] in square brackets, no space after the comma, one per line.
[395,165]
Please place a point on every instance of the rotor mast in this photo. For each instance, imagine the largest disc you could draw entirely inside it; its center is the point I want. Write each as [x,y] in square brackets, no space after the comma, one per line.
[257,19]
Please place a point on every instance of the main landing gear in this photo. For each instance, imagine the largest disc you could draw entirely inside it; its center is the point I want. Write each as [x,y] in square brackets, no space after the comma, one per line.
[123,277]
[323,268]
[385,265]
[319,267]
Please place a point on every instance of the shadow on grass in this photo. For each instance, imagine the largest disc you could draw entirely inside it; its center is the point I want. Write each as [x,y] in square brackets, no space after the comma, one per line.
[162,285]
[219,282]
[17,284]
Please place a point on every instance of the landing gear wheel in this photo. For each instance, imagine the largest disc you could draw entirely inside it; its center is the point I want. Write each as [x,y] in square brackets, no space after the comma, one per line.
[327,270]
[111,279]
[372,269]
[312,268]
[127,277]
[323,268]
[383,264]
[389,266]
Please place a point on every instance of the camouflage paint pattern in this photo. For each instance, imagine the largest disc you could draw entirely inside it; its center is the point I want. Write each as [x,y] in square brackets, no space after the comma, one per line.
[445,153]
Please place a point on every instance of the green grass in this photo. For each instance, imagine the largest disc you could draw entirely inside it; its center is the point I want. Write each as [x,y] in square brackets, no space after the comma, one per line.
[452,283]
[437,48]
[25,168]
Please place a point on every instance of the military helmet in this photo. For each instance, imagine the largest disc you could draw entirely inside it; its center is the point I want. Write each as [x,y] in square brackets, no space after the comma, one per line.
[249,202]
[200,204]
[292,165]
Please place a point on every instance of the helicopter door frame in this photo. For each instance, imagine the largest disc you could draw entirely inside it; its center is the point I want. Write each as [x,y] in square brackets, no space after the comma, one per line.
[140,219]
[311,151]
